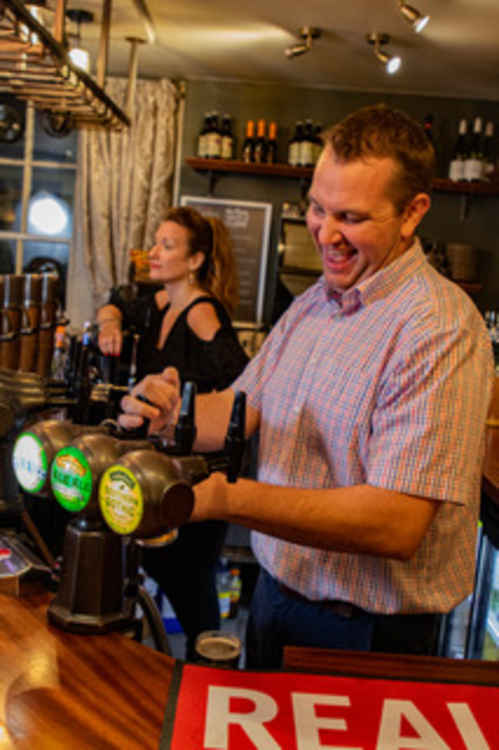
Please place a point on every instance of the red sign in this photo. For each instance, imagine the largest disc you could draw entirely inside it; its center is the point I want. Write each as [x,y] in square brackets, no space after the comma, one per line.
[218,709]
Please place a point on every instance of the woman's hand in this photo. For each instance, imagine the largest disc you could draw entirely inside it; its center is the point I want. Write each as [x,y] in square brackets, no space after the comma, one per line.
[110,337]
[161,407]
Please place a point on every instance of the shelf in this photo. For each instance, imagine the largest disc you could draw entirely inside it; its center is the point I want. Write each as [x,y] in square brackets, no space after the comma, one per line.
[242,167]
[466,188]
[305,173]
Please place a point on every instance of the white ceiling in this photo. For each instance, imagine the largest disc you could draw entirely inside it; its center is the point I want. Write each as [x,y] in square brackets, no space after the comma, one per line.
[456,55]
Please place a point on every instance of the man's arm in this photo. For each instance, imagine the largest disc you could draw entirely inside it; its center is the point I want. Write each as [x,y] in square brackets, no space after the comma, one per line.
[360,519]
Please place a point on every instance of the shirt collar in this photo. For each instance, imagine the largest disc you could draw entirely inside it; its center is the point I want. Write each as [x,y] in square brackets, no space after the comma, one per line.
[381,283]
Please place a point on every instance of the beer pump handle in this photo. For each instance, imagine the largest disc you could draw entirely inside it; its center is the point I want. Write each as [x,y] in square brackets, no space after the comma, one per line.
[235,439]
[132,374]
[185,429]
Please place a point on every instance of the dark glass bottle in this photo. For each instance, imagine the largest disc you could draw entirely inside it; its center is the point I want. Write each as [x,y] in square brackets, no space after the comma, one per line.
[260,151]
[272,144]
[294,145]
[306,158]
[214,138]
[247,152]
[202,137]
[227,145]
[473,165]
[459,154]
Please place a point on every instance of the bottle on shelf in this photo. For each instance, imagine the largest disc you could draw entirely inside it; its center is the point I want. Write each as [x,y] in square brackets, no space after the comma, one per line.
[214,138]
[260,150]
[489,155]
[272,144]
[247,151]
[227,146]
[459,154]
[295,145]
[473,164]
[306,157]
[202,137]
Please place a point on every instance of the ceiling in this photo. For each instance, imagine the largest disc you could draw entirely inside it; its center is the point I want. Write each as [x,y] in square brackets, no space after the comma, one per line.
[456,55]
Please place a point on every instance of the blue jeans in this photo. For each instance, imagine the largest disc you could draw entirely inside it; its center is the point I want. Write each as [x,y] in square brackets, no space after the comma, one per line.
[278,618]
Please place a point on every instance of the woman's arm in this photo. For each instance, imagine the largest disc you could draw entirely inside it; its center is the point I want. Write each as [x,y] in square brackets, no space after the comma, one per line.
[109,320]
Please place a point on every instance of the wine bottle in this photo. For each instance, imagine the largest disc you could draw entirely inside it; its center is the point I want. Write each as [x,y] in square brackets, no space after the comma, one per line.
[459,154]
[249,142]
[489,156]
[473,164]
[202,137]
[306,158]
[227,137]
[272,144]
[214,138]
[294,145]
[260,151]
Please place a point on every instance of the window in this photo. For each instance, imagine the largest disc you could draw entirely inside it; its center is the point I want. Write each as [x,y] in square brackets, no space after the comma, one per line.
[37,179]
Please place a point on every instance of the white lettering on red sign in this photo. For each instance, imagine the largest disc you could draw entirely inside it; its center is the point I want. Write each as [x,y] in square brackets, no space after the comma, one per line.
[219,717]
[308,724]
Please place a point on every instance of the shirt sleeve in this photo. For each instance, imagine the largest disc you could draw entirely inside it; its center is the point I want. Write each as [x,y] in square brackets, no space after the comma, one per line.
[428,425]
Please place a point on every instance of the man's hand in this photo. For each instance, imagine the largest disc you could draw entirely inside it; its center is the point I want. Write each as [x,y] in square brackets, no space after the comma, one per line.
[163,394]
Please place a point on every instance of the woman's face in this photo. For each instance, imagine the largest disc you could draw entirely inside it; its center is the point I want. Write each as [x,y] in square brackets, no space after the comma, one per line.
[169,258]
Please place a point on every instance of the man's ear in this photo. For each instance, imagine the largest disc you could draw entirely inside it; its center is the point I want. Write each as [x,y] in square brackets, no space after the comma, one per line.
[413,214]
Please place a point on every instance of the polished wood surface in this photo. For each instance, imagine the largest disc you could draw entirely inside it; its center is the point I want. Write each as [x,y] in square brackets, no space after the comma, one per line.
[399,666]
[60,691]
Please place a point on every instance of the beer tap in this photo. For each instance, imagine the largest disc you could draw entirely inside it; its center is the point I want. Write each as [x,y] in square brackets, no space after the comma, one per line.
[149,492]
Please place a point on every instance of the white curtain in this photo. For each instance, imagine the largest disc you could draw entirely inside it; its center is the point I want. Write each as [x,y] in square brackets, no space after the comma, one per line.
[124,186]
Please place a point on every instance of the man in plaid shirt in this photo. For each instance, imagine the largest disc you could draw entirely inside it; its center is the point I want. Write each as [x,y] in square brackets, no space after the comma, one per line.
[370,397]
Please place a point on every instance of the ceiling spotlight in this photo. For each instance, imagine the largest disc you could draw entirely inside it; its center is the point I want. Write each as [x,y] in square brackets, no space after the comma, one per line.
[77,54]
[392,63]
[307,33]
[413,16]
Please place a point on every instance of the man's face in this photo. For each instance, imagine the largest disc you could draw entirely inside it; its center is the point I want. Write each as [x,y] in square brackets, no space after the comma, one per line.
[353,221]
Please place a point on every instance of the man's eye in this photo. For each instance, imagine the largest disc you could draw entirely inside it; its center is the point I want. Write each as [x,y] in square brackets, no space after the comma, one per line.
[352,218]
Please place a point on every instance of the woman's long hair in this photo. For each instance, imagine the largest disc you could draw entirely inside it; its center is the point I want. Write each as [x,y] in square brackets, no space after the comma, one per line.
[210,236]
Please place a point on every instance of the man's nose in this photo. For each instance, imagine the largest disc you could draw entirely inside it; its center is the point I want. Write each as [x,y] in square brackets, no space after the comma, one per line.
[329,231]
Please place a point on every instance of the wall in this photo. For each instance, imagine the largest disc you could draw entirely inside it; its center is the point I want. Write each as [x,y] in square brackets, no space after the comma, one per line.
[286,104]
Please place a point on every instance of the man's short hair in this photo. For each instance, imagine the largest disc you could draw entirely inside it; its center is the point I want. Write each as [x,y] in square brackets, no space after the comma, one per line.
[378,131]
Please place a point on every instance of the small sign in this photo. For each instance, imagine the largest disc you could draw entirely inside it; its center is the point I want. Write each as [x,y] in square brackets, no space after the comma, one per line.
[71,479]
[218,709]
[30,462]
[120,499]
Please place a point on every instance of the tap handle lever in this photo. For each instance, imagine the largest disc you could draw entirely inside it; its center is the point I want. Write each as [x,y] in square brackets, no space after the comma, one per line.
[235,439]
[185,429]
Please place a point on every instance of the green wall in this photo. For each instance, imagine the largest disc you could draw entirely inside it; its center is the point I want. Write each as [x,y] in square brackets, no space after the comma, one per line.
[286,104]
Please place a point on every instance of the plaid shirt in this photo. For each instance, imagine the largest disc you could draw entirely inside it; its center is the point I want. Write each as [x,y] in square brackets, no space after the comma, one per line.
[387,386]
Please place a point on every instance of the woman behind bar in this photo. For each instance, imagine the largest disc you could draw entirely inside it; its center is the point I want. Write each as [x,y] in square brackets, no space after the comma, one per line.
[185,325]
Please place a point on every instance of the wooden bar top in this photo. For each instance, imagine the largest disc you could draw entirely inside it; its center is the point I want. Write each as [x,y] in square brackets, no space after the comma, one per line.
[60,691]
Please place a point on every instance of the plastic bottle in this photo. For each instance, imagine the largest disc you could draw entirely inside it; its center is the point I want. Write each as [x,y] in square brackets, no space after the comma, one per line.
[223,589]
[236,585]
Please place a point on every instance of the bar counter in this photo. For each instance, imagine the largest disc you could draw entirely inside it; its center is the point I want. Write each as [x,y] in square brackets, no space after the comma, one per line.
[84,692]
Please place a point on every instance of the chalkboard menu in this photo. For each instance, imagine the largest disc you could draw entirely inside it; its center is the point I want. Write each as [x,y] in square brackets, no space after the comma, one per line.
[249,226]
